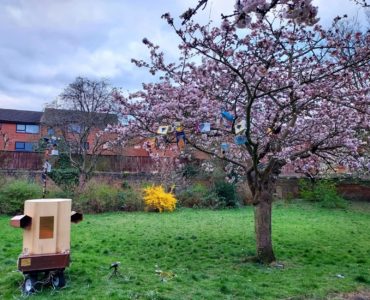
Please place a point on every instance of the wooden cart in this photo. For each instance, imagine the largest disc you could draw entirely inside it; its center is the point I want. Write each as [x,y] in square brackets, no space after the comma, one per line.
[46,241]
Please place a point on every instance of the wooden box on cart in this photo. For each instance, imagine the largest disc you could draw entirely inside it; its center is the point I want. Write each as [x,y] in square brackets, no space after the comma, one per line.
[46,239]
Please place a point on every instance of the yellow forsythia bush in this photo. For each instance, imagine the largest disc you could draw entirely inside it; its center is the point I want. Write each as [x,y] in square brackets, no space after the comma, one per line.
[156,198]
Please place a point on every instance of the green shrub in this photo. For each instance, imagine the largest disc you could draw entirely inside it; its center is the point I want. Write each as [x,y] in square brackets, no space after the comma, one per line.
[13,195]
[61,194]
[64,174]
[63,162]
[306,190]
[221,194]
[65,178]
[97,198]
[216,193]
[190,170]
[323,192]
[125,185]
[226,194]
[2,181]
[130,200]
[195,195]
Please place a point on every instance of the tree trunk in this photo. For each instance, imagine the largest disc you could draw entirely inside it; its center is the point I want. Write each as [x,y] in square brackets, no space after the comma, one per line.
[82,179]
[262,222]
[262,186]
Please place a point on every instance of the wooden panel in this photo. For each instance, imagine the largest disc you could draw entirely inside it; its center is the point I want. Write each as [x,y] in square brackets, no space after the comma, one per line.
[64,225]
[43,262]
[32,244]
[11,160]
[30,231]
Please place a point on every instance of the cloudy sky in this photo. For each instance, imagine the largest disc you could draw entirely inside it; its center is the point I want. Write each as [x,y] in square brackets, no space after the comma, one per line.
[45,44]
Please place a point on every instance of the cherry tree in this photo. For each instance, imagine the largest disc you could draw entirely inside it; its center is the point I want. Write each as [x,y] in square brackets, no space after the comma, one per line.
[301,11]
[280,92]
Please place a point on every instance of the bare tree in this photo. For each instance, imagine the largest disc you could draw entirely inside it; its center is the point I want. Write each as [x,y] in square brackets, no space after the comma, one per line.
[4,139]
[78,121]
[88,96]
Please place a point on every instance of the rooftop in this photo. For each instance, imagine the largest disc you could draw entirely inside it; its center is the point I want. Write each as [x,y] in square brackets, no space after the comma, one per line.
[53,116]
[20,116]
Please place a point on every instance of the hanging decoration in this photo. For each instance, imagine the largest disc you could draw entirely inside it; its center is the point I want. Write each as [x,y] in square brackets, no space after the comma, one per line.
[180,139]
[178,127]
[204,127]
[46,167]
[51,144]
[54,151]
[240,127]
[171,129]
[226,115]
[240,140]
[163,130]
[225,147]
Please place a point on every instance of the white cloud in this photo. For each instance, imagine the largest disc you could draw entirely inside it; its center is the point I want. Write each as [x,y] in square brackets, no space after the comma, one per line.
[59,15]
[328,10]
[46,44]
[24,103]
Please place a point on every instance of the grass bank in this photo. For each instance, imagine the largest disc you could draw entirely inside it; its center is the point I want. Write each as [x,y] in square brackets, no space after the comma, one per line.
[202,255]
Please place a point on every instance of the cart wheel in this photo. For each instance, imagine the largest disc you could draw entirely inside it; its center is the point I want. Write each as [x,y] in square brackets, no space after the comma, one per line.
[29,284]
[58,280]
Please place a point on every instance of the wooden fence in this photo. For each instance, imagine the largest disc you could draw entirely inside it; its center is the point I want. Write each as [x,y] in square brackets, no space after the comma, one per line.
[10,160]
[13,160]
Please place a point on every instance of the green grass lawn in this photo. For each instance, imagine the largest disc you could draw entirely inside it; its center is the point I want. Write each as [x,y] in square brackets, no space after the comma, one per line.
[206,251]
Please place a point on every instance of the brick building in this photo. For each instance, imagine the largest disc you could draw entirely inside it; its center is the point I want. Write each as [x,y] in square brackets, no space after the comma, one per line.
[82,131]
[22,130]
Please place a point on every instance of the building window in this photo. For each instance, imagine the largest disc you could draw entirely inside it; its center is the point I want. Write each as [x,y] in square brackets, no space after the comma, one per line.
[51,131]
[24,146]
[21,128]
[27,128]
[74,128]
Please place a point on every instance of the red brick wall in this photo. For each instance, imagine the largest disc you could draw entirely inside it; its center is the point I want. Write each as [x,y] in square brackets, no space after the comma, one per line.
[355,191]
[359,191]
[91,139]
[10,131]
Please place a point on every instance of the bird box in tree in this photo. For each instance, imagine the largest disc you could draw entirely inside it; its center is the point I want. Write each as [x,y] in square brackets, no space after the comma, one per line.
[46,235]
